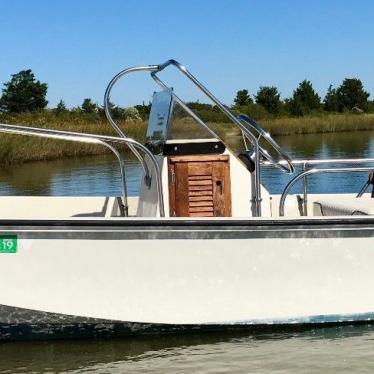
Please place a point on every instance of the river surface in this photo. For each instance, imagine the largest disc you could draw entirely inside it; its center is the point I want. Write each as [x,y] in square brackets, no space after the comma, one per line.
[344,349]
[100,176]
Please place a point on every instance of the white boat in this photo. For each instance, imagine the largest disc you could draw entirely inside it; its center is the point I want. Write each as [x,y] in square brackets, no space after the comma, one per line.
[203,247]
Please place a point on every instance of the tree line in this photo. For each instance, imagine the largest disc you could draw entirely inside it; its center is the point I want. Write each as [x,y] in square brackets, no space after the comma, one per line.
[350,96]
[24,93]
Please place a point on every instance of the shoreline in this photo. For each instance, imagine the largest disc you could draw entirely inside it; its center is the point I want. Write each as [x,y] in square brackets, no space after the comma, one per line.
[331,123]
[16,149]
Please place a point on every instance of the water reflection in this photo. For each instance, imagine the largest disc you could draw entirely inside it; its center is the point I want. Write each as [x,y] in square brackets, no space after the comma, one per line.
[342,348]
[330,145]
[324,146]
[92,176]
[100,175]
[23,178]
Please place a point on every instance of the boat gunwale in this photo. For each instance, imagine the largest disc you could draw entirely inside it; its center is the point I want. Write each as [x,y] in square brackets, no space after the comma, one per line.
[184,221]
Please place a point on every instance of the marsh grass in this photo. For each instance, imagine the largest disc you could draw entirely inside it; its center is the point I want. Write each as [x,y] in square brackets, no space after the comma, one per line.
[16,148]
[328,123]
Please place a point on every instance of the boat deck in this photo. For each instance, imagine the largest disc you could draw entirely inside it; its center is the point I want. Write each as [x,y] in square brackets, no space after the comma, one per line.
[46,207]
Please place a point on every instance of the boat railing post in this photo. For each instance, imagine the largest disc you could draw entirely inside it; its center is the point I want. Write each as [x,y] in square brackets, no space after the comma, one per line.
[256,198]
[305,190]
[123,178]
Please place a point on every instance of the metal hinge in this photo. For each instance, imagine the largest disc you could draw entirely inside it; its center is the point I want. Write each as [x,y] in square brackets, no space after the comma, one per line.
[172,177]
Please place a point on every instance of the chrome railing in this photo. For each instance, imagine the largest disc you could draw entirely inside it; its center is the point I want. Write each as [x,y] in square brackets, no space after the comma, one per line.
[240,123]
[113,123]
[306,172]
[99,140]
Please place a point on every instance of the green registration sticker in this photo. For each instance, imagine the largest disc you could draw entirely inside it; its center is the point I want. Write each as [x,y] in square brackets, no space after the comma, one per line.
[8,243]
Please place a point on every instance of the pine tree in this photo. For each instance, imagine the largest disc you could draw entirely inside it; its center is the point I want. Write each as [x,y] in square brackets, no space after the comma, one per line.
[23,93]
[60,108]
[242,98]
[304,100]
[351,94]
[269,98]
[331,100]
[89,107]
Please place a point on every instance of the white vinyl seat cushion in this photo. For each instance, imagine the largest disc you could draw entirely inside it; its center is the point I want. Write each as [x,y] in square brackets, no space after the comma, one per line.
[343,206]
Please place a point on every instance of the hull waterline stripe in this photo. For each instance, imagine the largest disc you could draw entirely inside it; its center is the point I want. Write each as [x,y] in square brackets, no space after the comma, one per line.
[26,324]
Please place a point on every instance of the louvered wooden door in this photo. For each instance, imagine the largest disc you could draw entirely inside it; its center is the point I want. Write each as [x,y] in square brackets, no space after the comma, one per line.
[199,186]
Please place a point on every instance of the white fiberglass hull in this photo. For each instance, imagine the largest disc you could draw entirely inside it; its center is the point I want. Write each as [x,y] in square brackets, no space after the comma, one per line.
[149,275]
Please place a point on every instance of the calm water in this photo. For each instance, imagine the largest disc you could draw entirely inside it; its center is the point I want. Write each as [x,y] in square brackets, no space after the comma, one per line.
[329,350]
[100,175]
[336,349]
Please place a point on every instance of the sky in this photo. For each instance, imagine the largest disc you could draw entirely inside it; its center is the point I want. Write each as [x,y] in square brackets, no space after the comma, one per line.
[76,46]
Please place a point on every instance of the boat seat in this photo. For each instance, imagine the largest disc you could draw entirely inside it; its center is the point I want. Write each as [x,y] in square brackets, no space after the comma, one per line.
[344,206]
[48,207]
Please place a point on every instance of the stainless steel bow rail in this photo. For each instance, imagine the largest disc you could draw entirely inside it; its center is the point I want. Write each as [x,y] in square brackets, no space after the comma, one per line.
[113,123]
[242,122]
[99,140]
[306,172]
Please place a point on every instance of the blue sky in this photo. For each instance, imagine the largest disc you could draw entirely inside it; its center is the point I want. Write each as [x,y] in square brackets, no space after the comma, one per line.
[77,46]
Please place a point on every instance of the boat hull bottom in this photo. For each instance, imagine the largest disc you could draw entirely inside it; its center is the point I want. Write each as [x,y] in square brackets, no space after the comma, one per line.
[41,332]
[20,324]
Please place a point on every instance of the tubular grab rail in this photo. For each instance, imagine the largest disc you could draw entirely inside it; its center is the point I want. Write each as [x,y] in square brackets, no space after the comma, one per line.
[153,69]
[95,139]
[305,173]
[305,163]
[111,120]
[324,161]
[241,122]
